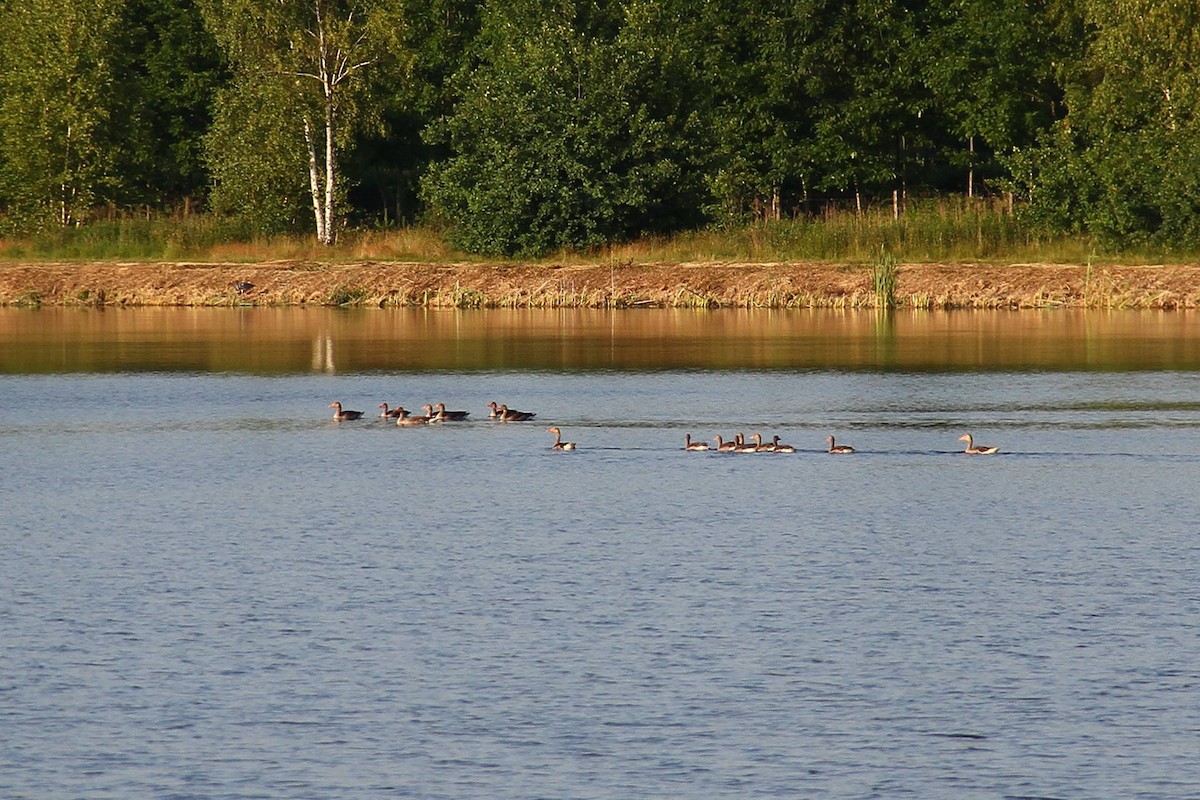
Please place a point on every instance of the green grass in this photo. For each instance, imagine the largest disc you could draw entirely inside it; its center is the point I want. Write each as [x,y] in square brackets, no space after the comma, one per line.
[946,230]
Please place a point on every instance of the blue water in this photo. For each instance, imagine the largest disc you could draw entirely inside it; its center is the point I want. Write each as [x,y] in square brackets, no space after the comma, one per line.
[209,589]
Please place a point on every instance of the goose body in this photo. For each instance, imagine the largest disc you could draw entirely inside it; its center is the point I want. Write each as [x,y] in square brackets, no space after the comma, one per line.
[724,446]
[976,449]
[340,415]
[743,446]
[442,415]
[404,418]
[780,447]
[760,446]
[559,444]
[506,414]
[389,413]
[838,448]
[688,444]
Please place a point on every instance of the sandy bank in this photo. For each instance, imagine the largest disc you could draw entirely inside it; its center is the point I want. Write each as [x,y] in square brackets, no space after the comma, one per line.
[780,285]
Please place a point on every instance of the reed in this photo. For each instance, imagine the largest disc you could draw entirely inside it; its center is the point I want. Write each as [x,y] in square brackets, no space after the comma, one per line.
[885,271]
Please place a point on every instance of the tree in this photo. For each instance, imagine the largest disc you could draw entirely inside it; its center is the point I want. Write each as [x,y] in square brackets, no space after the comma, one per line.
[1124,163]
[575,129]
[306,61]
[167,71]
[995,68]
[55,102]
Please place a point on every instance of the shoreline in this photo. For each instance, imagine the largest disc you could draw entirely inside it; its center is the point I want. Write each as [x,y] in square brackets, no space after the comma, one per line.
[598,285]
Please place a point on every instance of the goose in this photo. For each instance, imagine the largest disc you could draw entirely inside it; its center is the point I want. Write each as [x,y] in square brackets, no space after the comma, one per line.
[976,449]
[780,447]
[723,446]
[443,414]
[743,446]
[506,414]
[559,444]
[405,419]
[760,446]
[389,413]
[340,415]
[688,444]
[838,448]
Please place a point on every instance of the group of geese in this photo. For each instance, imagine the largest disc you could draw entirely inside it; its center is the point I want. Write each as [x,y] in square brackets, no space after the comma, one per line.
[436,413]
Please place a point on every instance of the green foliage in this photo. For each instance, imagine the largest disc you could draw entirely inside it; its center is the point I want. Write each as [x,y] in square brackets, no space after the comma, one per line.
[55,105]
[1123,164]
[575,130]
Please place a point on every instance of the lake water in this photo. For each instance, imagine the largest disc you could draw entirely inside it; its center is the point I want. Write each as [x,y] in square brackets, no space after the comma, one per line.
[210,589]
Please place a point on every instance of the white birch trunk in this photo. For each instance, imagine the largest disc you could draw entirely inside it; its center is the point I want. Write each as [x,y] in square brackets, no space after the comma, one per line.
[314,181]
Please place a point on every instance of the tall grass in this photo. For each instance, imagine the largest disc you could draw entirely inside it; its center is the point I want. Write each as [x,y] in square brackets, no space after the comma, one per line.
[946,230]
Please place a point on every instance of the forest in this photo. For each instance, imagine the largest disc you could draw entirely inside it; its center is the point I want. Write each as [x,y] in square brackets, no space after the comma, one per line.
[521,127]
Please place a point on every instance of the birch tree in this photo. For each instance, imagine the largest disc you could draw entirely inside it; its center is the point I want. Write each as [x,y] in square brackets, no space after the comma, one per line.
[300,92]
[55,81]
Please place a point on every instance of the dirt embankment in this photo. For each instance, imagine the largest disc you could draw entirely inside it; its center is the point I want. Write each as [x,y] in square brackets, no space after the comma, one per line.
[707,285]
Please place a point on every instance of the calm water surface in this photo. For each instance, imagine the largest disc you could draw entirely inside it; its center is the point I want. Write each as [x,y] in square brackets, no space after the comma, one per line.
[209,589]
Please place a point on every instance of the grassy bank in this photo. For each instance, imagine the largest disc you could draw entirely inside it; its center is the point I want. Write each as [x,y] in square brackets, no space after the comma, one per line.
[935,231]
[938,255]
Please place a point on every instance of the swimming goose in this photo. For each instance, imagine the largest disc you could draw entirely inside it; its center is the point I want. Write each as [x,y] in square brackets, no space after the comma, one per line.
[444,415]
[780,447]
[723,446]
[688,444]
[743,446]
[559,444]
[340,415]
[760,446]
[389,413]
[506,414]
[838,448]
[405,419]
[977,449]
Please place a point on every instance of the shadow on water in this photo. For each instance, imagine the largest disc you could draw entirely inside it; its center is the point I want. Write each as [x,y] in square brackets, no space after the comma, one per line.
[339,341]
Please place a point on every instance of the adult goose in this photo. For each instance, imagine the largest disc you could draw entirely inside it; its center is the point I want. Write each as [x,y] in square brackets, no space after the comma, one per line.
[834,447]
[340,415]
[506,414]
[976,449]
[389,413]
[724,446]
[440,414]
[780,447]
[743,446]
[559,444]
[407,419]
[688,444]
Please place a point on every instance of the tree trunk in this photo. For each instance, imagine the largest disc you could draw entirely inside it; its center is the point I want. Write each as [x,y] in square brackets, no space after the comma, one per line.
[314,181]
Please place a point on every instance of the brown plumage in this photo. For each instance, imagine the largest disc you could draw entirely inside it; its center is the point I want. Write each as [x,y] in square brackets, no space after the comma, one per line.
[977,449]
[389,413]
[506,414]
[340,415]
[838,448]
[780,447]
[406,419]
[559,444]
[688,444]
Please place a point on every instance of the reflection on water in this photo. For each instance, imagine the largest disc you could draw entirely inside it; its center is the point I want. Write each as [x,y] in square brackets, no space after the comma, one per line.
[322,340]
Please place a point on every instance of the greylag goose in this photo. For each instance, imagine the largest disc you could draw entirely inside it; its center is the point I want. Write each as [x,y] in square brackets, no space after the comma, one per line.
[723,446]
[688,444]
[559,444]
[406,419]
[340,415]
[442,415]
[976,449]
[389,413]
[506,414]
[838,448]
[743,446]
[780,447]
